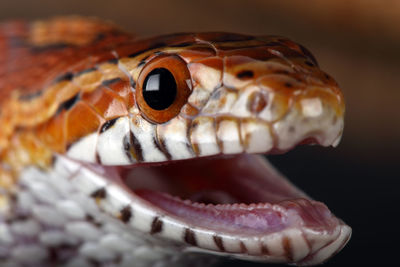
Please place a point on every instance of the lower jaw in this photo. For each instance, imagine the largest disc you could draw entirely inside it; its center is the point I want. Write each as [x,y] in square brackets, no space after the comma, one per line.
[239,195]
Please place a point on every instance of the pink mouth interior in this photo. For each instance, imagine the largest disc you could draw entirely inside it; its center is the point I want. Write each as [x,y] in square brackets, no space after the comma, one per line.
[240,194]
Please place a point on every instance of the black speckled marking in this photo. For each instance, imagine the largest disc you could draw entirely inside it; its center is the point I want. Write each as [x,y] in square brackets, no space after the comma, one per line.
[67,104]
[92,220]
[156,226]
[99,193]
[219,242]
[107,125]
[111,81]
[190,237]
[126,214]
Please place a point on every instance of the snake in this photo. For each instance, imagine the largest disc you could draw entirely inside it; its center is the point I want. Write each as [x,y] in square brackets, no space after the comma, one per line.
[117,150]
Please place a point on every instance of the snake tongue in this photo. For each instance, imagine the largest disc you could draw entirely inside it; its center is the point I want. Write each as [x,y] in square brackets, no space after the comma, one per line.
[242,194]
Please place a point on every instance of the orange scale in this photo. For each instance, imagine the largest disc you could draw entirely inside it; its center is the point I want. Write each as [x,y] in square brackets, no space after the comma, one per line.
[80,121]
[239,44]
[256,53]
[195,53]
[281,84]
[107,103]
[51,134]
[124,90]
[213,62]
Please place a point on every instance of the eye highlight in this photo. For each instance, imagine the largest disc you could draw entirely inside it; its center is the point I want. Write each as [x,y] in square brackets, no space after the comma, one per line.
[164,85]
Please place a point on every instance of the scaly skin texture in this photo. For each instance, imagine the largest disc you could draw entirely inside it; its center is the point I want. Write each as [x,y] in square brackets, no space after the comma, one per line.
[66,80]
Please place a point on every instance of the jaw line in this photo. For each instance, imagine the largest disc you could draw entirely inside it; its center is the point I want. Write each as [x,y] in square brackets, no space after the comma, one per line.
[304,231]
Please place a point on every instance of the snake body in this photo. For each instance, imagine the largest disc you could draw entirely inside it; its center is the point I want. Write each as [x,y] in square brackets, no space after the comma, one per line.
[95,171]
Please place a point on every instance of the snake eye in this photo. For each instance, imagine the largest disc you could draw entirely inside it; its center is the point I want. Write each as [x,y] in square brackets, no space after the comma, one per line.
[164,85]
[159,89]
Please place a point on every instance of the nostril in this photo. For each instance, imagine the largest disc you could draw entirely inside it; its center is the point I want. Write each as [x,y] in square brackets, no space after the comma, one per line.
[257,102]
[245,74]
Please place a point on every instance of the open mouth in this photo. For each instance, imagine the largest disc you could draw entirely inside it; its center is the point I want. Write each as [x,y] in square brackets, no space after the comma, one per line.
[240,194]
[238,205]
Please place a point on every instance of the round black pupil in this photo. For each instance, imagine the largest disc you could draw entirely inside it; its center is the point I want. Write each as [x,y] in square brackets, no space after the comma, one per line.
[159,89]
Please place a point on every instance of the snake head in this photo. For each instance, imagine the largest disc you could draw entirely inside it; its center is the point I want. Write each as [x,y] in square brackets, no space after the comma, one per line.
[197,109]
[232,94]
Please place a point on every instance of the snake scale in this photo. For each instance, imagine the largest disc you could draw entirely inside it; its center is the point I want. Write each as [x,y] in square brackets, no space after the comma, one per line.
[122,151]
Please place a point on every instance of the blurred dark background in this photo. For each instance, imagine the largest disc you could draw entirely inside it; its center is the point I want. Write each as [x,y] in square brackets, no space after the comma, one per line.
[358,43]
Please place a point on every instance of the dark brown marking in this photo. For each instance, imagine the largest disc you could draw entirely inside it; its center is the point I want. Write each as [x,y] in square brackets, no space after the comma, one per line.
[113,61]
[99,193]
[308,54]
[194,146]
[100,36]
[161,146]
[97,156]
[108,124]
[47,48]
[85,71]
[309,63]
[182,44]
[131,143]
[132,82]
[126,142]
[243,248]
[141,63]
[156,226]
[288,85]
[152,46]
[219,242]
[64,77]
[126,214]
[264,250]
[28,97]
[66,105]
[190,237]
[245,74]
[111,81]
[287,247]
